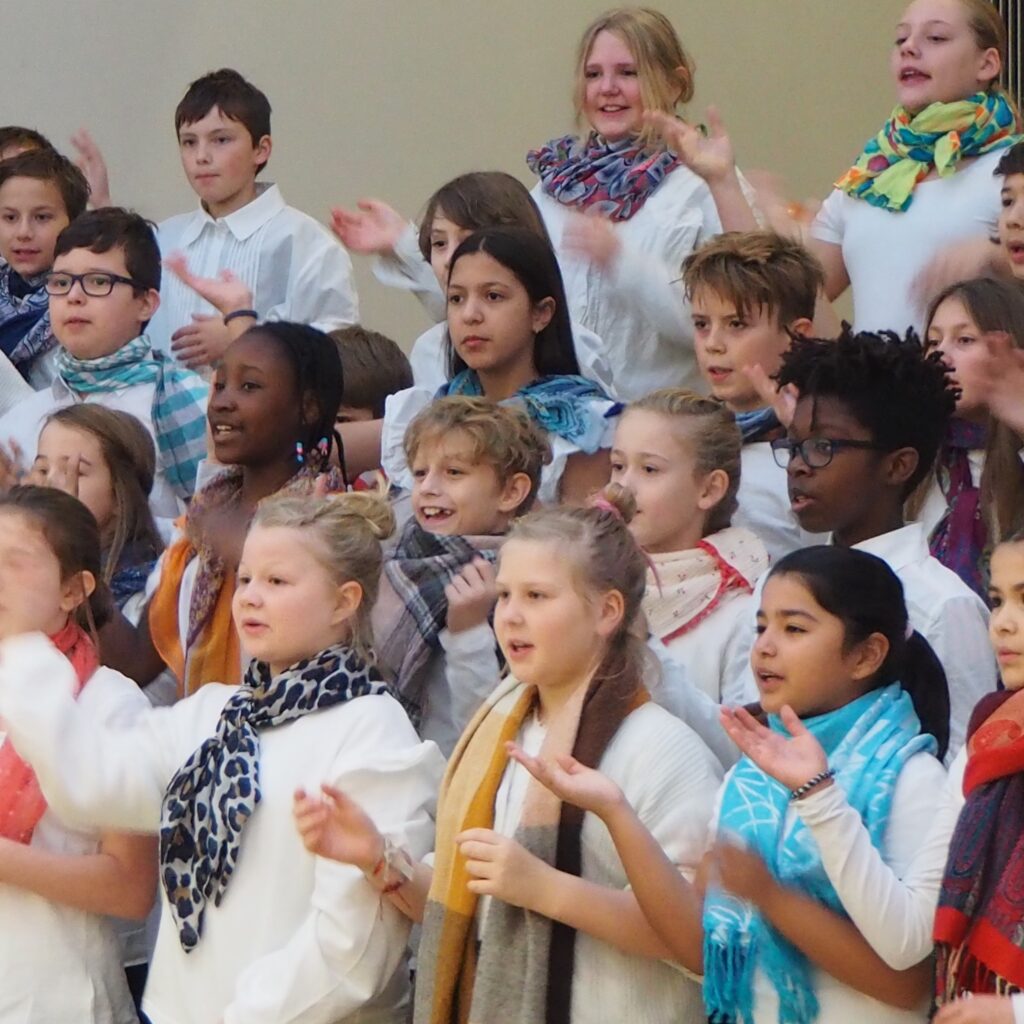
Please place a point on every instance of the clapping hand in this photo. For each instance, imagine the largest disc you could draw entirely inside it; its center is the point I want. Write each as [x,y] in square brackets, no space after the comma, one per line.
[373,228]
[792,760]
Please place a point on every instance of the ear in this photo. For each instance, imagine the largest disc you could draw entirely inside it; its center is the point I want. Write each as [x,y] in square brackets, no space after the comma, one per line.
[348,598]
[149,303]
[990,66]
[611,609]
[683,75]
[712,489]
[543,313]
[77,589]
[869,656]
[801,326]
[515,492]
[901,465]
[261,151]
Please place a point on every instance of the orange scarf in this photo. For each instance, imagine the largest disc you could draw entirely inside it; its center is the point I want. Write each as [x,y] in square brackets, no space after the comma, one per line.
[22,803]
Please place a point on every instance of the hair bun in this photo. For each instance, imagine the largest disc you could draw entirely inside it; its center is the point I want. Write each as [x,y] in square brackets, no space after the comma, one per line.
[619,501]
[371,506]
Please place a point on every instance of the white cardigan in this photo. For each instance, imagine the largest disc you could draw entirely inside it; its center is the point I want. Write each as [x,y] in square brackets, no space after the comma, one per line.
[297,938]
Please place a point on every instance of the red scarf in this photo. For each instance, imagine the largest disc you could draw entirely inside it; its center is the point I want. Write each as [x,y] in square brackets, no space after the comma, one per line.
[22,803]
[981,904]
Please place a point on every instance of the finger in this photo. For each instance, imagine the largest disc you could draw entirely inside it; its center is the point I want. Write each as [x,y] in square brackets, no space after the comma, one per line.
[201,318]
[482,835]
[792,723]
[763,384]
[334,794]
[716,127]
[189,331]
[72,475]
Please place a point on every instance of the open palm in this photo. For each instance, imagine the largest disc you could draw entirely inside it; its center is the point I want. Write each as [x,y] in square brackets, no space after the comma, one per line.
[337,828]
[571,781]
[792,760]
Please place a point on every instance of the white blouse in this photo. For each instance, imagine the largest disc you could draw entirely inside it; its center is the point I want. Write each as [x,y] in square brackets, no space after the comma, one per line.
[57,963]
[296,937]
[294,266]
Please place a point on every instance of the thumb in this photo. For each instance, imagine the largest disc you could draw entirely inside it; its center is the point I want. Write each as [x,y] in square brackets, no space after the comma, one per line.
[715,126]
[793,725]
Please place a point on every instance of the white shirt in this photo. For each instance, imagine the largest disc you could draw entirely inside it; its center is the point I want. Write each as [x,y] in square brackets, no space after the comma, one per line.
[670,778]
[429,358]
[948,614]
[296,937]
[917,798]
[401,408]
[764,507]
[57,963]
[885,251]
[294,266]
[25,421]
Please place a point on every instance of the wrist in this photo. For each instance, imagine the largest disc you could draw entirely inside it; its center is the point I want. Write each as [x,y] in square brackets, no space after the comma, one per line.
[816,782]
[724,183]
[242,312]
[374,864]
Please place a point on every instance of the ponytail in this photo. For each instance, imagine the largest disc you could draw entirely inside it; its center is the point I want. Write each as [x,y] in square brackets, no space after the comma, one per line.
[865,595]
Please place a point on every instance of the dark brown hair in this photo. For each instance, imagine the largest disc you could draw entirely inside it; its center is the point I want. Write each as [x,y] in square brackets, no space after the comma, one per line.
[372,367]
[49,165]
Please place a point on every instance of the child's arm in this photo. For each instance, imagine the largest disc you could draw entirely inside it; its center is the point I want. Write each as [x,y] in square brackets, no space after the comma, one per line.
[129,649]
[93,165]
[584,474]
[119,880]
[349,944]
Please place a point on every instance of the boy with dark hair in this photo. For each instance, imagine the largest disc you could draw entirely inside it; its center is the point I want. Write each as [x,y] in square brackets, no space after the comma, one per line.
[104,288]
[373,367]
[750,293]
[41,192]
[294,267]
[1011,215]
[15,139]
[871,413]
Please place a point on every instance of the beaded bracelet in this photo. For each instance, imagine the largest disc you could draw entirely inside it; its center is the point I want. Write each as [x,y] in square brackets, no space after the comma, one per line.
[817,780]
[240,313]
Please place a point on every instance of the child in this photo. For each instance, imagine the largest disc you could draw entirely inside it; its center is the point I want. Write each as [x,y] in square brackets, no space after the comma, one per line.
[871,414]
[293,267]
[252,928]
[528,915]
[41,192]
[59,880]
[373,367]
[271,416]
[976,494]
[106,459]
[750,293]
[420,259]
[680,456]
[14,140]
[777,935]
[475,467]
[103,288]
[1011,215]
[510,340]
[976,924]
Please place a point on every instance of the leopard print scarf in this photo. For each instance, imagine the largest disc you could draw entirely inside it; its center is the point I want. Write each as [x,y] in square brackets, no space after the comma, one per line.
[215,792]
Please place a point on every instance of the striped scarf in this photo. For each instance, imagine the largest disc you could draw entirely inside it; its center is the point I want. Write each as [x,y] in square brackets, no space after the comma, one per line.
[179,402]
[939,138]
[523,970]
[24,318]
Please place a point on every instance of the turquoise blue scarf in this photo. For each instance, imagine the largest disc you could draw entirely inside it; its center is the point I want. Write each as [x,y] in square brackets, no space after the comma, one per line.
[868,742]
[561,404]
[179,402]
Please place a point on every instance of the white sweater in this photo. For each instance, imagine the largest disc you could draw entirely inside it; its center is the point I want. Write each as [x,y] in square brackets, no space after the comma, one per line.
[297,938]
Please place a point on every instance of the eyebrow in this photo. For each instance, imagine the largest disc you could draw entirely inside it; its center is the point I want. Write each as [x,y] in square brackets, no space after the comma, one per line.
[642,455]
[250,368]
[788,613]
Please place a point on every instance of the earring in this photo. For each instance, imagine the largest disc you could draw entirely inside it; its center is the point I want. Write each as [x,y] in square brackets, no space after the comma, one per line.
[300,453]
[324,448]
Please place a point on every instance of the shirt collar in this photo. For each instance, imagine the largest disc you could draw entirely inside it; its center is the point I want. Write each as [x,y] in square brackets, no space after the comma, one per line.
[244,222]
[898,548]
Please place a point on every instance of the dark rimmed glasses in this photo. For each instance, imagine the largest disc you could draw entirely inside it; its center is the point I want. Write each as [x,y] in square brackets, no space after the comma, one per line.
[816,452]
[95,284]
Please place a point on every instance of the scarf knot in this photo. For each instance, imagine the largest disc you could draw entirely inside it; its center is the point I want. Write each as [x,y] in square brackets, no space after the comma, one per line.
[216,791]
[909,146]
[613,178]
[178,411]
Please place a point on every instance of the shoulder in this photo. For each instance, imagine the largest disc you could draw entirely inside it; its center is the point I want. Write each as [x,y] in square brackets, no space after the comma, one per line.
[172,227]
[940,593]
[923,773]
[307,229]
[23,419]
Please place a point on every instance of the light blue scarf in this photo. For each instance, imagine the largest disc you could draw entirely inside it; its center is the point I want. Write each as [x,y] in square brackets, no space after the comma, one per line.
[868,742]
[179,402]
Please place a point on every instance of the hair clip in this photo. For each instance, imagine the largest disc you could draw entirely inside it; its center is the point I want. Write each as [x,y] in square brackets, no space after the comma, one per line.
[300,452]
[324,447]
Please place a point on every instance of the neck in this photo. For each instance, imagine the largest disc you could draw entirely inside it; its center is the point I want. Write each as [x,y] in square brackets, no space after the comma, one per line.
[259,482]
[885,520]
[232,203]
[553,697]
[501,383]
[687,537]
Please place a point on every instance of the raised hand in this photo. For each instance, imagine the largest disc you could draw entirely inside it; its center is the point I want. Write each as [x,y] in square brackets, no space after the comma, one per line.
[999,376]
[373,228]
[336,827]
[202,342]
[711,155]
[92,164]
[591,236]
[64,475]
[781,400]
[471,595]
[780,213]
[499,866]
[793,760]
[571,781]
[12,467]
[225,292]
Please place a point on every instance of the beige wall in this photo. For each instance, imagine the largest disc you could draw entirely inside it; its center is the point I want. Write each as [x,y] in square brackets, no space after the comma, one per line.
[392,97]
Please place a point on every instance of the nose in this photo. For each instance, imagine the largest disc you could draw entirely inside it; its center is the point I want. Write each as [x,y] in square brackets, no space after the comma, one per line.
[24,229]
[508,612]
[714,339]
[471,310]
[202,152]
[430,482]
[221,399]
[909,47]
[609,83]
[764,644]
[76,295]
[1015,213]
[1002,623]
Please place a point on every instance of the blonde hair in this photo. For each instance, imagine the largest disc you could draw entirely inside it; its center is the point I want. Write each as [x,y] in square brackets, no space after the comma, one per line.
[664,69]
[501,436]
[760,270]
[346,531]
[596,542]
[717,442]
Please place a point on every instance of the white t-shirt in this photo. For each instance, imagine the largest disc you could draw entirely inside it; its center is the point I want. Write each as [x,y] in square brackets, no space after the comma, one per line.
[296,937]
[294,266]
[884,251]
[58,963]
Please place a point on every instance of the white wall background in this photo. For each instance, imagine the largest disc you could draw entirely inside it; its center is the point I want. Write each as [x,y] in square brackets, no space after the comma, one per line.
[392,97]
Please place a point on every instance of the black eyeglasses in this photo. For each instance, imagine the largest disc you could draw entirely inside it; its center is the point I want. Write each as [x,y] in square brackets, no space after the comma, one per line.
[816,452]
[96,285]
